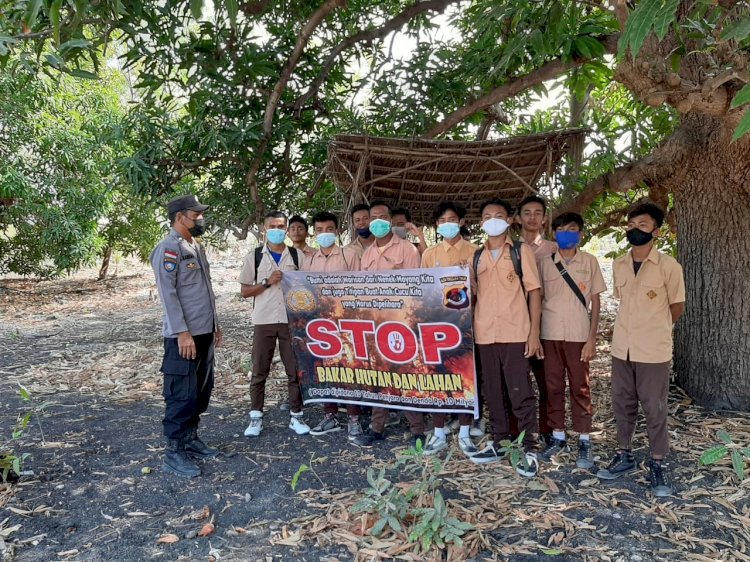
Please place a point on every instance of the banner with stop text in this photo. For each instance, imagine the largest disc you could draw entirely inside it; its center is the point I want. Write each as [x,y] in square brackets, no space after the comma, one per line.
[399,339]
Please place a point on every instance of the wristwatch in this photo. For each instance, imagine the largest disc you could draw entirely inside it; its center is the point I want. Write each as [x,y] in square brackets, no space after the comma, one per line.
[265,283]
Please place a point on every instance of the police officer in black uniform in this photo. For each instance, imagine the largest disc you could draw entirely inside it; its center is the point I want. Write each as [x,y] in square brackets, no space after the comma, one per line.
[190,333]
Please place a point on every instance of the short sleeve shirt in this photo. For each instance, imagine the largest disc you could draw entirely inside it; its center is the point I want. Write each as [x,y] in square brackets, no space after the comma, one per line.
[446,255]
[358,247]
[269,306]
[502,314]
[396,254]
[643,327]
[340,259]
[563,316]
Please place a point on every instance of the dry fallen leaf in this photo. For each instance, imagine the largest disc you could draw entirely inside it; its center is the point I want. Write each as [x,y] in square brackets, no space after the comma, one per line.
[167,539]
[207,530]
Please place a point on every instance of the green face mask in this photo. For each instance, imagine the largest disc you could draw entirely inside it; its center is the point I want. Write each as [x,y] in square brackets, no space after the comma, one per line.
[380,228]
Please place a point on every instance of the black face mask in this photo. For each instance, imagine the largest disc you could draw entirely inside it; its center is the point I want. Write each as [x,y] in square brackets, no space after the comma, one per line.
[198,228]
[638,238]
[364,232]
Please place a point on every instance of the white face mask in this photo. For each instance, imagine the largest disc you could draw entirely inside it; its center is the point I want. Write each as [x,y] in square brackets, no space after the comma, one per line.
[495,227]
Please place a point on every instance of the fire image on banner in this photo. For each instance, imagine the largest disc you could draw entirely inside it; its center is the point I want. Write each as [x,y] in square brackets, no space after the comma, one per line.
[400,339]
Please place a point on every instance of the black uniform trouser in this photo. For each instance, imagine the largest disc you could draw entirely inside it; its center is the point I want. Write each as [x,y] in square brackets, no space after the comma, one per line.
[187,385]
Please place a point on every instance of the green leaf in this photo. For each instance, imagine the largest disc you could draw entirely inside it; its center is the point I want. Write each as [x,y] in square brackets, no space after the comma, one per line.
[300,471]
[80,73]
[724,437]
[232,9]
[738,464]
[665,17]
[714,455]
[196,7]
[24,392]
[75,44]
[640,23]
[394,524]
[742,127]
[737,30]
[54,18]
[32,11]
[741,98]
[379,526]
[552,551]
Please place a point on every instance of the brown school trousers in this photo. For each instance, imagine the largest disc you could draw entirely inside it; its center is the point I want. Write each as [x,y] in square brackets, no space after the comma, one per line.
[562,360]
[264,345]
[537,368]
[647,383]
[505,369]
[415,419]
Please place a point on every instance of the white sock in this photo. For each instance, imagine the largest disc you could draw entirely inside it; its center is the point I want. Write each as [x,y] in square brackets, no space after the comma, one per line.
[583,437]
[439,432]
[559,435]
[463,431]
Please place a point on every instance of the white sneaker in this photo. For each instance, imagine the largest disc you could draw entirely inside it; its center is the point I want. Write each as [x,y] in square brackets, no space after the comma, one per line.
[256,424]
[435,444]
[452,426]
[529,466]
[467,446]
[477,428]
[298,425]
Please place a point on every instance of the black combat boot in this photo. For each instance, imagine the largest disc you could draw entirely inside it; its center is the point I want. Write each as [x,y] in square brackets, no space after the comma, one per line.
[177,461]
[196,447]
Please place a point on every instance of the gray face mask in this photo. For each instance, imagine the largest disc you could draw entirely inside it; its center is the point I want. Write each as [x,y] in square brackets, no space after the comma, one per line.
[400,231]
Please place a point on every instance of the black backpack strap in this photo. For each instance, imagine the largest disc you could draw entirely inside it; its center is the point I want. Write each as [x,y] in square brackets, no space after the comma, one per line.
[515,256]
[258,258]
[569,280]
[295,257]
[477,255]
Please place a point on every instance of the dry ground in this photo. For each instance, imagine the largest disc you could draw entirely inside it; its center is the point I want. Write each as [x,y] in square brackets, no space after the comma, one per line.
[92,350]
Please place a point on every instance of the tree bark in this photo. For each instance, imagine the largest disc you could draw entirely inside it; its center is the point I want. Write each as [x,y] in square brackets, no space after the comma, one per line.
[712,198]
[105,263]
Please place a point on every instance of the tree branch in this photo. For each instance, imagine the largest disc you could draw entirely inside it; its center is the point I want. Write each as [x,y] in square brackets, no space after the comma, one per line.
[393,24]
[273,101]
[514,87]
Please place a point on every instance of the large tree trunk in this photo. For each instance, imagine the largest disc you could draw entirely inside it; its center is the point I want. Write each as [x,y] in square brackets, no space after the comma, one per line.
[712,199]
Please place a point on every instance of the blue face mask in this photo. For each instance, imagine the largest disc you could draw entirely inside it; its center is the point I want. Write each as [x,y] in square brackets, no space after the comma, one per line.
[364,232]
[567,239]
[325,239]
[380,228]
[275,235]
[448,230]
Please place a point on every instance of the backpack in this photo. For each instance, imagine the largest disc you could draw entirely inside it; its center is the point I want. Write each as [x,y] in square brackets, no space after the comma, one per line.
[259,257]
[515,256]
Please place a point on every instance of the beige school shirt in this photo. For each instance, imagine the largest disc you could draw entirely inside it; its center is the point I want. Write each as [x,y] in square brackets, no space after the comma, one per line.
[501,314]
[269,306]
[340,259]
[643,327]
[563,316]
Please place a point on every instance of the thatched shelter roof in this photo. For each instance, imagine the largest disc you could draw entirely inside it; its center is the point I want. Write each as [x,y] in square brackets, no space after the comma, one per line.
[418,173]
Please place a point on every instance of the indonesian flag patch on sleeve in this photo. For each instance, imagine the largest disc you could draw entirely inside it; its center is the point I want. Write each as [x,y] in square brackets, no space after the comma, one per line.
[170,260]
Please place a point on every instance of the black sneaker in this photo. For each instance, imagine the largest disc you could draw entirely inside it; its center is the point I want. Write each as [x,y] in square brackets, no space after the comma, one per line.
[487,455]
[585,458]
[329,424]
[544,438]
[554,448]
[622,463]
[367,438]
[658,479]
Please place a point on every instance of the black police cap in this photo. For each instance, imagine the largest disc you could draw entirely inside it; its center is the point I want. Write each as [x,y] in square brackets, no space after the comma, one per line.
[185,203]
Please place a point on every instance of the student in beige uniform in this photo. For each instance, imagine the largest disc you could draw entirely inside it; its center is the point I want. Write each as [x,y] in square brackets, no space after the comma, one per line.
[387,253]
[403,227]
[328,258]
[363,238]
[298,232]
[270,321]
[453,250]
[651,289]
[532,216]
[571,284]
[506,330]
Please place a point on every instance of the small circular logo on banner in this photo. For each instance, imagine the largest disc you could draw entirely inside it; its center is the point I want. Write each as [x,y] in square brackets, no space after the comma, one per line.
[396,342]
[300,301]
